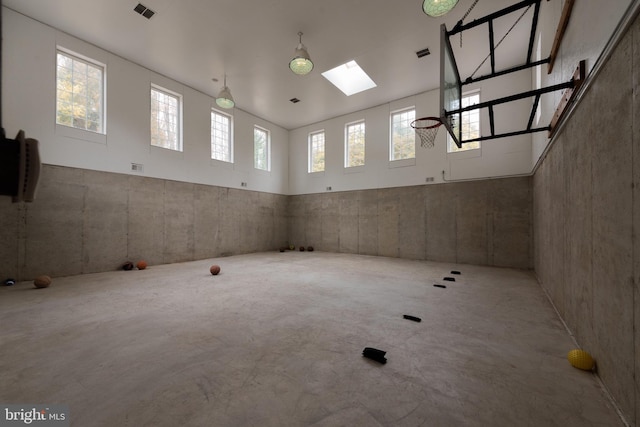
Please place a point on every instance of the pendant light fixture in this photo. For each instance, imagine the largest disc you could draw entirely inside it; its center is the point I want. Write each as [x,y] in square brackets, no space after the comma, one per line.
[224,98]
[437,8]
[301,63]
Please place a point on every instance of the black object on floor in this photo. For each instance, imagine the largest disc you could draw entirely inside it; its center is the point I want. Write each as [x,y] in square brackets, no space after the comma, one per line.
[374,354]
[449,279]
[440,286]
[414,318]
[455,272]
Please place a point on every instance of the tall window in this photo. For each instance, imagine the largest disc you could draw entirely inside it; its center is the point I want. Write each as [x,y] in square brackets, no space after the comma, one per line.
[470,125]
[261,149]
[80,93]
[221,139]
[403,136]
[166,119]
[316,151]
[354,144]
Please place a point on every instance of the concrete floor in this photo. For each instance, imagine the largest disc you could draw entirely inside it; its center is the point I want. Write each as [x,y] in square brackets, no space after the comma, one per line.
[276,340]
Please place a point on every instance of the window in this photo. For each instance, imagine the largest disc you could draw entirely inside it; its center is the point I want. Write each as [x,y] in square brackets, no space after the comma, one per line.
[79,93]
[316,151]
[403,136]
[166,119]
[261,149]
[470,125]
[221,137]
[354,144]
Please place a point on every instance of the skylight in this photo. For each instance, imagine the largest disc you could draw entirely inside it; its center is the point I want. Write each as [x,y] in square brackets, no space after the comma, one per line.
[349,78]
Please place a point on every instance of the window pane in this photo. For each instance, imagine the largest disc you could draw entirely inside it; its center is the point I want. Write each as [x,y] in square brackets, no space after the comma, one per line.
[260,149]
[165,120]
[79,93]
[220,137]
[316,152]
[470,126]
[403,145]
[355,145]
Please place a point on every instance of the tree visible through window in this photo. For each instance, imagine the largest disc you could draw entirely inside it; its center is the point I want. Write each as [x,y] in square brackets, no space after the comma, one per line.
[403,136]
[221,144]
[470,125]
[316,152]
[354,145]
[261,148]
[165,119]
[79,93]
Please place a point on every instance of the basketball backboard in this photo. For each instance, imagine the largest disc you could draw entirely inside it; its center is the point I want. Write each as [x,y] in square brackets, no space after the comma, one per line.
[450,88]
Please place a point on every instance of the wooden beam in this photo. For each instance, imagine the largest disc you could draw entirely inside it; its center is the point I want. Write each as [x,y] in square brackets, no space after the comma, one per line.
[567,97]
[562,26]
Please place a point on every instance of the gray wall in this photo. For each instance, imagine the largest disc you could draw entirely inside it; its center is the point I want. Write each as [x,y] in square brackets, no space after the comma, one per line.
[586,214]
[87,221]
[479,222]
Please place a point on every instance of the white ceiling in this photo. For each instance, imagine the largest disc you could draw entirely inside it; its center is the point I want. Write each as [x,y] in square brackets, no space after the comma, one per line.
[193,41]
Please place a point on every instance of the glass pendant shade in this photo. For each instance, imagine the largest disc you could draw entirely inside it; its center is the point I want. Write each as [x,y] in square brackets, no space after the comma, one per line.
[301,63]
[437,8]
[224,98]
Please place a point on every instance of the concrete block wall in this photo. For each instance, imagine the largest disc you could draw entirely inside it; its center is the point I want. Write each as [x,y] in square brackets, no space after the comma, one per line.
[586,219]
[485,222]
[85,221]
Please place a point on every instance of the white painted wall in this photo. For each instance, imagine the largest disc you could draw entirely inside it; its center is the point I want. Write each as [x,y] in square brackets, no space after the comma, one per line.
[590,27]
[29,91]
[499,157]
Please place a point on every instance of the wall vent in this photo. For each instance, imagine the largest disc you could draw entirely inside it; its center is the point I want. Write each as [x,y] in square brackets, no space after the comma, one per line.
[294,100]
[144,11]
[423,52]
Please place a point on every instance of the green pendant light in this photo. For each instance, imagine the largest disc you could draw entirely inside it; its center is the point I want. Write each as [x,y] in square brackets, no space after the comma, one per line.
[437,8]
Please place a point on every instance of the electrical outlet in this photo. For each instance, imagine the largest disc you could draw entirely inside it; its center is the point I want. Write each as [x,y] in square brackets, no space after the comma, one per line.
[137,167]
[328,188]
[429,179]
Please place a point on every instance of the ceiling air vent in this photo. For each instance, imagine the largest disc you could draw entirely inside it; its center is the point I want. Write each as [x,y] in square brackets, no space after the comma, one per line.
[423,52]
[144,11]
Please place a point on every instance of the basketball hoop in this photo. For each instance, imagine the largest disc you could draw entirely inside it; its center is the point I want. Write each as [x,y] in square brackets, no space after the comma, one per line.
[427,128]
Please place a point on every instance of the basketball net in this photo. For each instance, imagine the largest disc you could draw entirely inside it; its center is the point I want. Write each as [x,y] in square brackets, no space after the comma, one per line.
[427,129]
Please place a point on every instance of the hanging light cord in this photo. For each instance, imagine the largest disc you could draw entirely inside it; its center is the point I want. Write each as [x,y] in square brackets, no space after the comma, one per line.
[501,40]
[465,17]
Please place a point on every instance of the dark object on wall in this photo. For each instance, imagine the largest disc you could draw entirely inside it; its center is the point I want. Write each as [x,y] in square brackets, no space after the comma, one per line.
[374,354]
[440,286]
[414,318]
[19,167]
[455,272]
[449,279]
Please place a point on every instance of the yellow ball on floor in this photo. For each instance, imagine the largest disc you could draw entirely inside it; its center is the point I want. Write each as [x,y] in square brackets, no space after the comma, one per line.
[581,359]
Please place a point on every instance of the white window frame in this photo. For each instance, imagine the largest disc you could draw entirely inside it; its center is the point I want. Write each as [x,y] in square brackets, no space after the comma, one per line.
[312,136]
[411,132]
[76,57]
[179,118]
[267,132]
[347,128]
[228,150]
[451,146]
